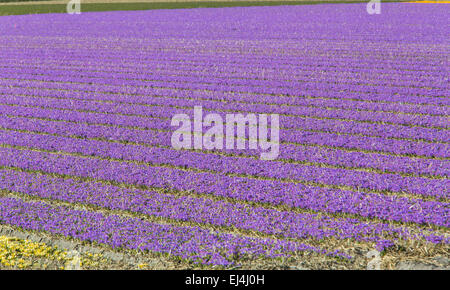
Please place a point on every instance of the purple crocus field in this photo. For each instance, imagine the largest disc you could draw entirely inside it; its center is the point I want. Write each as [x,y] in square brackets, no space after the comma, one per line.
[86,103]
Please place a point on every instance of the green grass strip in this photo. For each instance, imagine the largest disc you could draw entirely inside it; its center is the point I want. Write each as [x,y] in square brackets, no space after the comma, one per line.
[92,7]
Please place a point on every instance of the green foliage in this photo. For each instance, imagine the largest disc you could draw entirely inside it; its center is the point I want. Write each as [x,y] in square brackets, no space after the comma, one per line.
[8,1]
[90,7]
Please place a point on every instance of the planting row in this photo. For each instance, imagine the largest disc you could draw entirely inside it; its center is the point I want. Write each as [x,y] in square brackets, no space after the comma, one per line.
[201,210]
[354,142]
[300,153]
[16,87]
[249,84]
[371,205]
[192,243]
[78,101]
[431,96]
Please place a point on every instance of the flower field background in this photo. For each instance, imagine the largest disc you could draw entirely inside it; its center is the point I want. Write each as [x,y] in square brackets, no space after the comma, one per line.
[85,152]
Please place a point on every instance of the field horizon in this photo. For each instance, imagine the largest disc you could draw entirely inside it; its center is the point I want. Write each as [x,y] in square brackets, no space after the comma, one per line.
[51,6]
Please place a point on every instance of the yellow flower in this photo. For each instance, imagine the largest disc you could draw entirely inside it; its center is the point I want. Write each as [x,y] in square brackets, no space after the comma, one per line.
[142,266]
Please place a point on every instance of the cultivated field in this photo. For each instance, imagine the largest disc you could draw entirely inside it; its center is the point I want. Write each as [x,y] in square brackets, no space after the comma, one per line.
[87,158]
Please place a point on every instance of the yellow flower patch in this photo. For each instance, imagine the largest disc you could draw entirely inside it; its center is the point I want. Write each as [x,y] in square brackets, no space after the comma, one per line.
[21,254]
